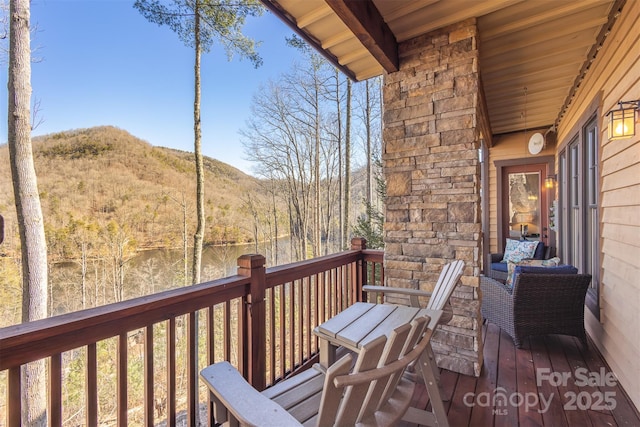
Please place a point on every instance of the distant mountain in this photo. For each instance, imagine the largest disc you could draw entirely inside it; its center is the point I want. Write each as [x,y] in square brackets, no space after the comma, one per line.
[105,177]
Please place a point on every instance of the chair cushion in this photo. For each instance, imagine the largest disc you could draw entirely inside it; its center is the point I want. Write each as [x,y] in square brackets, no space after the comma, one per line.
[517,250]
[500,266]
[537,266]
[559,269]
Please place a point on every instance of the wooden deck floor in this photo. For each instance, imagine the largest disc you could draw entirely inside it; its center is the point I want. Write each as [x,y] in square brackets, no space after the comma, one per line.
[533,399]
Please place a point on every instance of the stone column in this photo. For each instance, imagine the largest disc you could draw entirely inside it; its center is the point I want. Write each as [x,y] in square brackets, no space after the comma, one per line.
[431,165]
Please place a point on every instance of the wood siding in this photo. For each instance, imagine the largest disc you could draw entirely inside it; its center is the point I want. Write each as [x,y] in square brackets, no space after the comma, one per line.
[615,76]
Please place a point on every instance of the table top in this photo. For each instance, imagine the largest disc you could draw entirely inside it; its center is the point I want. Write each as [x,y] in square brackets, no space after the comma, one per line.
[363,322]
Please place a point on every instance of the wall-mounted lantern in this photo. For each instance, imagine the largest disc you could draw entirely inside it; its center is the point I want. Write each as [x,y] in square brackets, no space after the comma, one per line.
[622,121]
[550,181]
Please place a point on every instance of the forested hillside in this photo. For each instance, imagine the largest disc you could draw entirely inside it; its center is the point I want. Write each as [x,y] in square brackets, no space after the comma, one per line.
[105,180]
[106,196]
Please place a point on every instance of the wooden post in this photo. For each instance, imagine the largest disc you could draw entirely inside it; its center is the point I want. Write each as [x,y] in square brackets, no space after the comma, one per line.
[359,244]
[254,330]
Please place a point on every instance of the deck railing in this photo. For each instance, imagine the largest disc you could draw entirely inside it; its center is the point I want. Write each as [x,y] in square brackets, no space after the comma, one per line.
[260,320]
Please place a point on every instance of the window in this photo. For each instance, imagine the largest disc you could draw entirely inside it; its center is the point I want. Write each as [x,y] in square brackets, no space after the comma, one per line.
[580,223]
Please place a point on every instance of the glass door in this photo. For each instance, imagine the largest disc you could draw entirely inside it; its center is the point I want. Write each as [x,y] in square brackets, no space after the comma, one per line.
[525,213]
[524,203]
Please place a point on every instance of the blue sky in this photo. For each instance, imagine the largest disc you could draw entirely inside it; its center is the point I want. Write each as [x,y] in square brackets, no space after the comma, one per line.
[102,63]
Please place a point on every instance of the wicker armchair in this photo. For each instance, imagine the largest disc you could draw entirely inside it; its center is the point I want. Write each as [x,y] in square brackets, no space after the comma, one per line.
[539,304]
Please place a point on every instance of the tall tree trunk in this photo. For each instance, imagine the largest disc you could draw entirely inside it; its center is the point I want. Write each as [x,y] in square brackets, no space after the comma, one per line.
[28,209]
[185,246]
[317,250]
[347,167]
[275,222]
[83,261]
[340,186]
[198,237]
[367,114]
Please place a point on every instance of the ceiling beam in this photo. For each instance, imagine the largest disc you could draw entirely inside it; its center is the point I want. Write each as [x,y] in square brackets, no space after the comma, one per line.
[366,23]
[288,19]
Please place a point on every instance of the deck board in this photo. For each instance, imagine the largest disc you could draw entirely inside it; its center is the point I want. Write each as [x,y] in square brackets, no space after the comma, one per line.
[516,370]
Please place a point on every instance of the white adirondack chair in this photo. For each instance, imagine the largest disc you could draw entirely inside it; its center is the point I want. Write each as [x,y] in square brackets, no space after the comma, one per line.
[374,393]
[438,299]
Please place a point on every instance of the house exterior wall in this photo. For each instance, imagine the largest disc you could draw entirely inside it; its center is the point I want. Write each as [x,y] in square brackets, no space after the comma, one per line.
[615,76]
[431,166]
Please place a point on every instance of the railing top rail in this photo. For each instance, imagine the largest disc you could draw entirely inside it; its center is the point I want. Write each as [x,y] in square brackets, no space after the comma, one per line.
[289,272]
[35,340]
[375,255]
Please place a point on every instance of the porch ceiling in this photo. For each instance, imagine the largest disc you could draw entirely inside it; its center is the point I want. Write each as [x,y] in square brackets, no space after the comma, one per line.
[541,45]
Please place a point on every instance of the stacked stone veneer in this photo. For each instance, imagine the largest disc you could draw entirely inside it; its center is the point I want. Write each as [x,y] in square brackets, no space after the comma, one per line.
[431,110]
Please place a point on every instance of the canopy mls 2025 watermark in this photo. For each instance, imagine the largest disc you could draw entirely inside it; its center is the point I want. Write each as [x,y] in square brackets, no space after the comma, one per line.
[594,399]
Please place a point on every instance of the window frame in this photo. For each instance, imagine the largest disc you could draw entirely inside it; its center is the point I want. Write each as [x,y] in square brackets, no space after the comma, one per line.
[579,202]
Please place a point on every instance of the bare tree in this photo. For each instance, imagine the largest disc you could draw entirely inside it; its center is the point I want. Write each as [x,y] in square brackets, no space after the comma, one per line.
[28,208]
[121,249]
[283,147]
[183,206]
[367,100]
[334,130]
[347,166]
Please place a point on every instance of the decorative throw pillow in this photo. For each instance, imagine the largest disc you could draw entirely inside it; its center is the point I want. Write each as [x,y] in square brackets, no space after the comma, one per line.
[517,250]
[551,262]
[533,262]
[536,266]
[511,267]
[540,250]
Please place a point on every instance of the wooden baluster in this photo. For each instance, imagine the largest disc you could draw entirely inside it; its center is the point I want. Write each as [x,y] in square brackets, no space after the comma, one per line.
[291,325]
[299,314]
[122,380]
[334,292]
[282,334]
[14,395]
[192,390]
[92,385]
[171,372]
[55,390]
[307,317]
[321,301]
[316,311]
[338,288]
[149,402]
[226,342]
[211,334]
[272,335]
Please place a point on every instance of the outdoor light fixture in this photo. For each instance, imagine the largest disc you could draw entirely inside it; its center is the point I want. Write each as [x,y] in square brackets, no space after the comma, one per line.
[622,121]
[550,181]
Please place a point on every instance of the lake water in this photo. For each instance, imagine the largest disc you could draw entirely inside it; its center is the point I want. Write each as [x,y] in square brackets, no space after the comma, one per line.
[148,272]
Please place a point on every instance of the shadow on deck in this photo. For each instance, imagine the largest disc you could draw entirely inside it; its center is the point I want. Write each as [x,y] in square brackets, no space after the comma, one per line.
[525,387]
